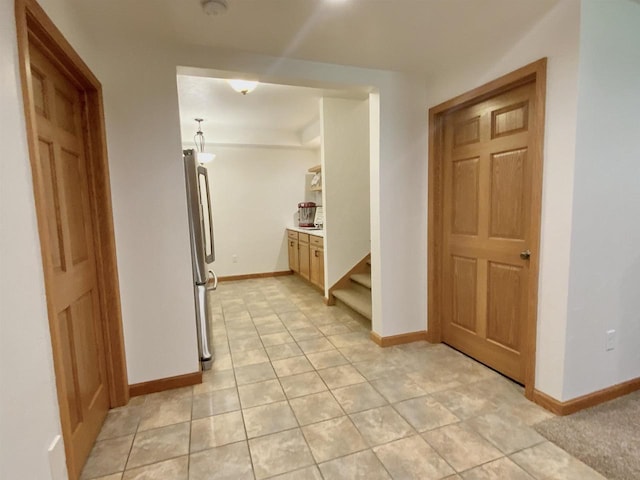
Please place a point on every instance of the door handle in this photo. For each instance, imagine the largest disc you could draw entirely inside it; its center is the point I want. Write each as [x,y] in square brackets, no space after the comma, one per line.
[525,254]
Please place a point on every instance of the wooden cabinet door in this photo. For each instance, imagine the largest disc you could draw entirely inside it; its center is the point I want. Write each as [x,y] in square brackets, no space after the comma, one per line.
[294,262]
[316,267]
[62,181]
[303,258]
[487,228]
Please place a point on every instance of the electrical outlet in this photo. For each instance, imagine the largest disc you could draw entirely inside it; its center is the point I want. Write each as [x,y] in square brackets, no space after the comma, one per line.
[611,340]
[234,258]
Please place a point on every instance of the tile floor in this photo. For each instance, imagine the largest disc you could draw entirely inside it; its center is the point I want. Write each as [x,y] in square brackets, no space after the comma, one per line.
[298,391]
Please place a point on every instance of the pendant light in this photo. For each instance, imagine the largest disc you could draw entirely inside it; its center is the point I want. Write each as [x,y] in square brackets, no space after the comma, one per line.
[198,139]
[243,86]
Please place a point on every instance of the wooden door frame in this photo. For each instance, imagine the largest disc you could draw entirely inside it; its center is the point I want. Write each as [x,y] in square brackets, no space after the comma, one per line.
[534,72]
[34,26]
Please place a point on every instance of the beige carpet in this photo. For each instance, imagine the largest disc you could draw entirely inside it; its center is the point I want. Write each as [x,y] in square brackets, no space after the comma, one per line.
[605,437]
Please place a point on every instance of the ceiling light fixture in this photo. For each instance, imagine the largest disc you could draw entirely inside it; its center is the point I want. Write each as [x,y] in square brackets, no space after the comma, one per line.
[214,7]
[243,86]
[198,139]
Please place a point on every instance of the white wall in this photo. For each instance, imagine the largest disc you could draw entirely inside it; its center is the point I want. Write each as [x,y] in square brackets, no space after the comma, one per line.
[345,169]
[555,36]
[255,193]
[604,279]
[29,418]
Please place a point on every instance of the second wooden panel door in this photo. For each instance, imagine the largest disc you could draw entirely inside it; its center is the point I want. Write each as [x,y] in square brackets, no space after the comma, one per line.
[487,228]
[62,182]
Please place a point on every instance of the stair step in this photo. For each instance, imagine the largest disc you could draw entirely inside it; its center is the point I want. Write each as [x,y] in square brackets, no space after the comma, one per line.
[363,279]
[357,298]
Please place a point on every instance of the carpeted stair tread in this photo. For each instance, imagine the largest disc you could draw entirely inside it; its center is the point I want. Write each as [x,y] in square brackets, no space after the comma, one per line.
[357,298]
[363,279]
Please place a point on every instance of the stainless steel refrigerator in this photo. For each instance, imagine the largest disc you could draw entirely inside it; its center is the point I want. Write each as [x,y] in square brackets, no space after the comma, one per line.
[202,249]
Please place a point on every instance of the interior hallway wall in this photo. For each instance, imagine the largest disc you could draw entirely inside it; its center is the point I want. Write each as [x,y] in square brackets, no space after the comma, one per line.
[604,277]
[556,36]
[345,170]
[255,192]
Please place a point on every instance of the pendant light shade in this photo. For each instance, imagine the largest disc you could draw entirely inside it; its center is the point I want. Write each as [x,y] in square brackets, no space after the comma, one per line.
[198,139]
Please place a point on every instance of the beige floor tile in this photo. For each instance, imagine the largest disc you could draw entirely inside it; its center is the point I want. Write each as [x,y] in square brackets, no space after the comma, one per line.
[160,444]
[114,476]
[276,339]
[244,343]
[360,352]
[336,377]
[212,381]
[308,473]
[107,457]
[161,414]
[305,333]
[314,345]
[397,388]
[267,419]
[348,339]
[221,362]
[425,413]
[120,422]
[506,432]
[358,466]
[292,366]
[550,462]
[412,458]
[250,357]
[279,453]
[466,402]
[381,425]
[169,395]
[302,384]
[254,373]
[333,438]
[215,402]
[356,398]
[501,468]
[375,369]
[288,350]
[275,326]
[333,329]
[229,462]
[216,431]
[315,408]
[174,469]
[260,393]
[461,447]
[326,359]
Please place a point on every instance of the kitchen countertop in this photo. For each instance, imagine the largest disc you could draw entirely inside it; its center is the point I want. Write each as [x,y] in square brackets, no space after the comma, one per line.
[310,231]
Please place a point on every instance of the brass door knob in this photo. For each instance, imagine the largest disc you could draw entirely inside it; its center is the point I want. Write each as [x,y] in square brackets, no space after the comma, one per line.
[525,254]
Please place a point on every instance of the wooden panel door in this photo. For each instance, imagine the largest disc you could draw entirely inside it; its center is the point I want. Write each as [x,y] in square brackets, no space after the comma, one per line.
[486,226]
[72,290]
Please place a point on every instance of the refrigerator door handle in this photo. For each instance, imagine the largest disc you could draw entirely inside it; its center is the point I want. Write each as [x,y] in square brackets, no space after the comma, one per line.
[212,275]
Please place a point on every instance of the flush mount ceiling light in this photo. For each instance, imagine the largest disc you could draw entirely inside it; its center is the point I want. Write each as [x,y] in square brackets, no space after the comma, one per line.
[214,7]
[198,139]
[243,86]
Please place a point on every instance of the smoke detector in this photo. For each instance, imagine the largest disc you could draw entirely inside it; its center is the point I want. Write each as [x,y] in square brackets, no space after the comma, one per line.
[214,7]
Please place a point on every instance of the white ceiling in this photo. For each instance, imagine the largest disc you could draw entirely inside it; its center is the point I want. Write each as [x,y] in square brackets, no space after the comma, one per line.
[277,114]
[421,36]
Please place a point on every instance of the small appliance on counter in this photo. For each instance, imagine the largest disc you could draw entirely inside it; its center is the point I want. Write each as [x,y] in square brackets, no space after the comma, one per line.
[306,214]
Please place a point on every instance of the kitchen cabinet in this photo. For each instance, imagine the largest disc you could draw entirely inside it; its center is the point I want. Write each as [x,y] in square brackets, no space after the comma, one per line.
[294,259]
[303,255]
[306,256]
[316,262]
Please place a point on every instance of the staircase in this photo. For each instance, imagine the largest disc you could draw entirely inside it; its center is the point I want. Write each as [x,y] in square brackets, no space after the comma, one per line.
[356,294]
